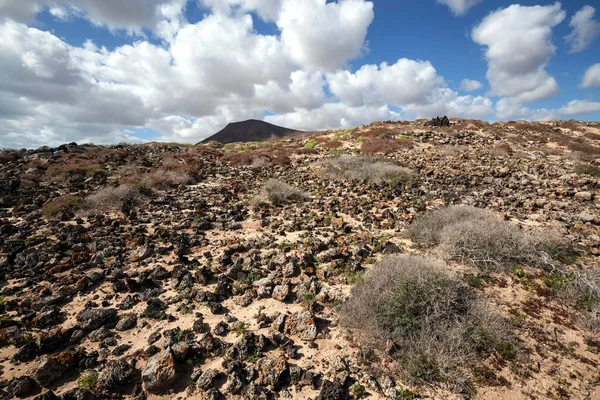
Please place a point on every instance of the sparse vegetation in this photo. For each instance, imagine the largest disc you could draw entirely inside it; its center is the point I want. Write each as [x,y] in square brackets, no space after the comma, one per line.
[276,192]
[311,144]
[68,203]
[88,380]
[583,289]
[111,198]
[480,238]
[384,146]
[373,170]
[434,321]
[588,169]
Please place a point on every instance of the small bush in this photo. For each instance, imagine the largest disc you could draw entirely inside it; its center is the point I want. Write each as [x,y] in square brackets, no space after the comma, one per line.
[111,198]
[480,238]
[370,169]
[587,169]
[311,144]
[277,193]
[583,288]
[68,203]
[432,321]
[384,146]
[88,380]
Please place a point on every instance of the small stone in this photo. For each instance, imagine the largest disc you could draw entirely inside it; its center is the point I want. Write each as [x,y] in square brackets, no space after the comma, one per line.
[583,196]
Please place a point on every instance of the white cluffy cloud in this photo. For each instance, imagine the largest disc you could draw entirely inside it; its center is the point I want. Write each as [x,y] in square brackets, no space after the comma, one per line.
[585,29]
[469,85]
[592,77]
[519,45]
[459,7]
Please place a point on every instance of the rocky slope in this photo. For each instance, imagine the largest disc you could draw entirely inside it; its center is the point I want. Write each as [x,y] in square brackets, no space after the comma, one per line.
[144,272]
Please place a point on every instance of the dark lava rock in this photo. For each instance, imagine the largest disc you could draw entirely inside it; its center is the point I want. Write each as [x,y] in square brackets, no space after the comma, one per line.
[332,391]
[21,387]
[50,368]
[93,318]
[114,374]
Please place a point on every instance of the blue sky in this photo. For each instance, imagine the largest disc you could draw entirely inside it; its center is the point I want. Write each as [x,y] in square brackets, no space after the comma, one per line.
[179,70]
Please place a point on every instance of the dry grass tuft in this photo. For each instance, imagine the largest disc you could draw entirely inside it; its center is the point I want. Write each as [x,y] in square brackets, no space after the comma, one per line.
[68,203]
[429,320]
[276,192]
[111,198]
[583,288]
[480,238]
[385,146]
[369,169]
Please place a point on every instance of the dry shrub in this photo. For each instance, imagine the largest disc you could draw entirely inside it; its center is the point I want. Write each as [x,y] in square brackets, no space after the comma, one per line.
[588,169]
[68,203]
[274,156]
[480,238]
[305,151]
[331,144]
[111,198]
[74,170]
[159,179]
[583,288]
[592,136]
[163,179]
[501,150]
[7,156]
[535,127]
[203,150]
[277,193]
[385,146]
[379,132]
[571,124]
[369,169]
[429,320]
[584,148]
[464,124]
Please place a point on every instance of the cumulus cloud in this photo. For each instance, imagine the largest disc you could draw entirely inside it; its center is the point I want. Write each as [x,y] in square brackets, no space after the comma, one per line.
[459,7]
[519,46]
[577,107]
[115,14]
[402,83]
[317,34]
[444,101]
[592,77]
[585,29]
[470,85]
[332,116]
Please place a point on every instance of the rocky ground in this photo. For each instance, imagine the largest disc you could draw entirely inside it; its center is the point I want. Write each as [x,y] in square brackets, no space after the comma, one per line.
[144,271]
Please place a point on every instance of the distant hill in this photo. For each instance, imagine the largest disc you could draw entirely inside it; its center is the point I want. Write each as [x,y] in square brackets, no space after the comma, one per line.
[251,130]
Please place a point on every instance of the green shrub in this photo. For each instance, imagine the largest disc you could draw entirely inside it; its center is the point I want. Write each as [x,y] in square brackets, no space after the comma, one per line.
[435,323]
[311,144]
[88,380]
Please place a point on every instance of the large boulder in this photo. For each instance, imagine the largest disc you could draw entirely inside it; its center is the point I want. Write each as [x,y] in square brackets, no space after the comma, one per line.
[50,368]
[159,372]
[115,374]
[94,318]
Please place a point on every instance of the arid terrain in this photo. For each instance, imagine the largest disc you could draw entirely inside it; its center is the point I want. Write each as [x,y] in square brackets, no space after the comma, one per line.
[337,265]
